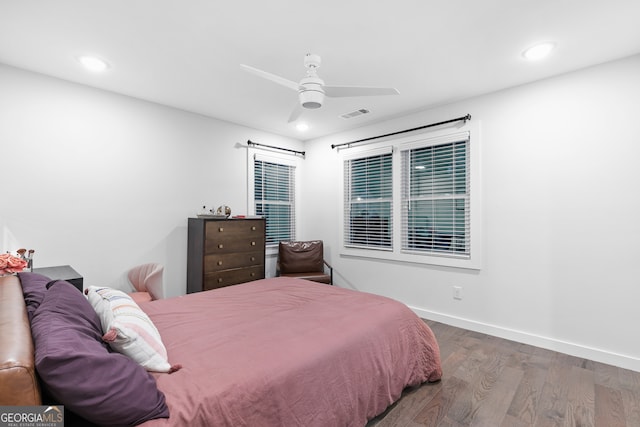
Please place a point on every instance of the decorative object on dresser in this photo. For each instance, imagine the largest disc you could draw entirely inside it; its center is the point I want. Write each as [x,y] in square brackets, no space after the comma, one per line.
[224,252]
[204,213]
[224,210]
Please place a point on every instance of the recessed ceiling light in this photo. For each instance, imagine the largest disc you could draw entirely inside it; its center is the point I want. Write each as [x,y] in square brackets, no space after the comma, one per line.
[538,51]
[302,127]
[93,63]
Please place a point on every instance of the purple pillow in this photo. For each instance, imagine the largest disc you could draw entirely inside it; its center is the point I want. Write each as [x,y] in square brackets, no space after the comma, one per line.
[78,370]
[34,286]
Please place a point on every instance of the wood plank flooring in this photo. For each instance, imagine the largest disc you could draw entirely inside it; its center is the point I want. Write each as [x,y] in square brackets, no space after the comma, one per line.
[494,382]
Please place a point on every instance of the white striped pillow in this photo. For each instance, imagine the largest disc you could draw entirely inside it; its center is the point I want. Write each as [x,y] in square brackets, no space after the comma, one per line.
[128,329]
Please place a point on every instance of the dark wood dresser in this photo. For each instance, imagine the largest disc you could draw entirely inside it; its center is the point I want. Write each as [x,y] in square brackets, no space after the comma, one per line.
[224,252]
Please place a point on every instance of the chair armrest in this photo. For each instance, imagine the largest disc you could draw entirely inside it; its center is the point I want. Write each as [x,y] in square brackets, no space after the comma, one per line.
[330,270]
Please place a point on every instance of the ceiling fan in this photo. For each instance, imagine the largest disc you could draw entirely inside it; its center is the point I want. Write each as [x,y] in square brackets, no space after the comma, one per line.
[312,90]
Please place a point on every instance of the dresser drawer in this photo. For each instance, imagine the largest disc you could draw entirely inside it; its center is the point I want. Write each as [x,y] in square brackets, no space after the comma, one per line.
[233,229]
[229,243]
[234,236]
[232,277]
[226,261]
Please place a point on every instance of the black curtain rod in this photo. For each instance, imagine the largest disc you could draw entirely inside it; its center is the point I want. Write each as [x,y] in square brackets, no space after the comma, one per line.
[249,142]
[465,118]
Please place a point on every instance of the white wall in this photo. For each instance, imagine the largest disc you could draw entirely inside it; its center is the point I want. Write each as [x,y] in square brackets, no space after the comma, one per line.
[560,217]
[104,182]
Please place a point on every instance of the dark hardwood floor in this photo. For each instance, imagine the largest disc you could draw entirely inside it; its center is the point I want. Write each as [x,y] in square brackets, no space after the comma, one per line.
[494,382]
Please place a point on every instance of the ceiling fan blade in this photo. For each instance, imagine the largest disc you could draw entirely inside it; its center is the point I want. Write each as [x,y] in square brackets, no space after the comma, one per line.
[280,80]
[297,111]
[345,91]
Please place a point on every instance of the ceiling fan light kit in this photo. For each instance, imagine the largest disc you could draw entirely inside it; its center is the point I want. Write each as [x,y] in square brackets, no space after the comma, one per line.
[312,90]
[302,127]
[311,98]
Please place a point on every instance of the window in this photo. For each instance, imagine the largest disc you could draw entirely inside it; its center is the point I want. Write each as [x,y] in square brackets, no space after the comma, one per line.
[415,199]
[368,201]
[435,198]
[274,196]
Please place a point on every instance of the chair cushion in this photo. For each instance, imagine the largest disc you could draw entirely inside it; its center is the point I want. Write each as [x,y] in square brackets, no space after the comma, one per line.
[300,257]
[139,297]
[318,276]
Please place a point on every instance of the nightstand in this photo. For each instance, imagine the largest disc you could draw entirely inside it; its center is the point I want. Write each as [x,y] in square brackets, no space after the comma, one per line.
[62,272]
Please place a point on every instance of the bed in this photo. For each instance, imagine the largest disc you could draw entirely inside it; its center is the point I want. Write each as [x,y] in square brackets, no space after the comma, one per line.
[273,352]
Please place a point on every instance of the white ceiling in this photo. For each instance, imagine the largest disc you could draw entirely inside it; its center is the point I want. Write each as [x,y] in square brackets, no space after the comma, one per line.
[187,53]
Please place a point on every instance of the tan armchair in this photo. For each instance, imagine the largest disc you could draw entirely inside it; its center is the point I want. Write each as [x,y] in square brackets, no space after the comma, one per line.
[304,260]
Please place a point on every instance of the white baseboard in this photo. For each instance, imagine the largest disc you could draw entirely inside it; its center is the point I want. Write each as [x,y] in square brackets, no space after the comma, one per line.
[598,355]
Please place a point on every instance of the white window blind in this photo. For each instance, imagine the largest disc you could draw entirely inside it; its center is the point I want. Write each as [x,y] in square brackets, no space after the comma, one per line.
[274,197]
[436,196]
[368,220]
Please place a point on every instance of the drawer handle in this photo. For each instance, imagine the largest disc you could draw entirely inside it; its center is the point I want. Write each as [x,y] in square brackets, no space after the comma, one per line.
[253,243]
[253,274]
[221,229]
[219,279]
[220,246]
[219,262]
[253,228]
[253,258]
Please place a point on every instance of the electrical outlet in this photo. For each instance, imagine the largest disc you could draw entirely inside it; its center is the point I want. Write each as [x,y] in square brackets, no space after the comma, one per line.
[457,292]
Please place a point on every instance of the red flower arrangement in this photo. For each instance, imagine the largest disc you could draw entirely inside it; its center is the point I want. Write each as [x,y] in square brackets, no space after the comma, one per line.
[10,264]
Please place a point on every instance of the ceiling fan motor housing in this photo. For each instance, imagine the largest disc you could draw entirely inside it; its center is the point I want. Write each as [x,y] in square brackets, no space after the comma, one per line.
[310,93]
[311,60]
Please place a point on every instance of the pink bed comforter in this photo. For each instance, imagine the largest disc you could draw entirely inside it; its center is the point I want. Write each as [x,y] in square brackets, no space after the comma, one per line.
[288,352]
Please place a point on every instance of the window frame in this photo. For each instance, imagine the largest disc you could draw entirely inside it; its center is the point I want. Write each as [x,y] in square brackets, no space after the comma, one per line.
[437,242]
[254,154]
[361,155]
[398,146]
